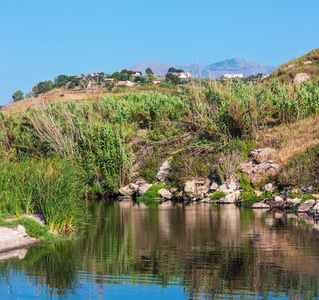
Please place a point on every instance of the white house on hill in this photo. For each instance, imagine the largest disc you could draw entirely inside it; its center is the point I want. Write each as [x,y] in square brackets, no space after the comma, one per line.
[184,75]
[229,76]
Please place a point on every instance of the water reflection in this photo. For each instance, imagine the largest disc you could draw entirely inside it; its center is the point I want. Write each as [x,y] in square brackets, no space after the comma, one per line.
[194,251]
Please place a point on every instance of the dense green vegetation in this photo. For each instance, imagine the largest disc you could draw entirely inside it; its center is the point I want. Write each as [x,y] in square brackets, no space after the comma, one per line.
[90,147]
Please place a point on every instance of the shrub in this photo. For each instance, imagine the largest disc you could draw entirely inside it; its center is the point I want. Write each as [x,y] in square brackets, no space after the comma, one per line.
[151,193]
[217,195]
[248,199]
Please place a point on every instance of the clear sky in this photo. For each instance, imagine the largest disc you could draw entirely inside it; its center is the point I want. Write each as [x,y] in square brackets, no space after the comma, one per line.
[42,39]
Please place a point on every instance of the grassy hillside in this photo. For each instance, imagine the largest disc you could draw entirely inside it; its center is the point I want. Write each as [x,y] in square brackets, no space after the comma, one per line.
[308,63]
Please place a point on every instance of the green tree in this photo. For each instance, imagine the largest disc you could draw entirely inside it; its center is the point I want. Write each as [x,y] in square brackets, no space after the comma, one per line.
[17,96]
[149,71]
[61,80]
[179,71]
[42,87]
[170,77]
[172,70]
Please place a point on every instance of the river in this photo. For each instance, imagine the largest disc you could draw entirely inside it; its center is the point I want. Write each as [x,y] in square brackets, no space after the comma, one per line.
[133,251]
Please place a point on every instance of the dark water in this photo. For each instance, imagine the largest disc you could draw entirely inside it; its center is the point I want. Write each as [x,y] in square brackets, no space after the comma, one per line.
[201,251]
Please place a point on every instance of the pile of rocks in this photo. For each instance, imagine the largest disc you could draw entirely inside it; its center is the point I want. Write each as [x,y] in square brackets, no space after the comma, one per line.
[261,165]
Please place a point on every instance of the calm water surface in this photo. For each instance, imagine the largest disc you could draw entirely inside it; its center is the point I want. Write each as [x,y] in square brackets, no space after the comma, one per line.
[132,251]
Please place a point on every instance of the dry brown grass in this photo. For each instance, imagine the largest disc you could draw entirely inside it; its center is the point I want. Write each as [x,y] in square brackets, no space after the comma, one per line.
[56,95]
[291,139]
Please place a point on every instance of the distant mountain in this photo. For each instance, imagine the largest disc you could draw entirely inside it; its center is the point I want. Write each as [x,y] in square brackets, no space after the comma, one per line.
[235,65]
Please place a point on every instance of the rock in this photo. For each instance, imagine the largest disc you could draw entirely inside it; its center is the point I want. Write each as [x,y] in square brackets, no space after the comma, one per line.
[316,196]
[173,190]
[307,62]
[139,181]
[163,171]
[206,200]
[258,193]
[126,191]
[213,186]
[230,198]
[143,188]
[21,230]
[301,77]
[261,155]
[232,186]
[268,187]
[306,206]
[294,201]
[189,187]
[259,205]
[197,188]
[133,187]
[164,193]
[247,167]
[316,210]
[223,188]
[278,199]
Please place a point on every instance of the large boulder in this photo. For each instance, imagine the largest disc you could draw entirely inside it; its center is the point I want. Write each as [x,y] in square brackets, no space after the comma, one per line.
[126,191]
[163,171]
[197,188]
[316,210]
[230,198]
[261,155]
[260,205]
[143,188]
[293,201]
[306,206]
[164,193]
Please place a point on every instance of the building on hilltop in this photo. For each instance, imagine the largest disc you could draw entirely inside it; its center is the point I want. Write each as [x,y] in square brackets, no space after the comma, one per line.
[137,74]
[184,75]
[229,76]
[95,73]
[156,81]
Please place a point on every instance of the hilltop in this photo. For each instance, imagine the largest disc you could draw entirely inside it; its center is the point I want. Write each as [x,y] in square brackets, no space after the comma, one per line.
[215,70]
[298,69]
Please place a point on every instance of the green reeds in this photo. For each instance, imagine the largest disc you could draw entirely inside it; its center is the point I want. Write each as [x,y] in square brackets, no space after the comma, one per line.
[52,186]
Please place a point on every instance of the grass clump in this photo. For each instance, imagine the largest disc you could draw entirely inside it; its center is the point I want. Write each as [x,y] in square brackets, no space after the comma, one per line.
[151,193]
[52,186]
[248,199]
[217,195]
[33,228]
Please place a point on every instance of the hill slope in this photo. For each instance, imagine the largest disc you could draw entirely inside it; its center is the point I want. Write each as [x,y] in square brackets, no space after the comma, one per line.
[235,65]
[307,64]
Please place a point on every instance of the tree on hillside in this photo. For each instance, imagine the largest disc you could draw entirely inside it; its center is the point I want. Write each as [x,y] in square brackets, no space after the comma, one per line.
[180,71]
[149,71]
[42,87]
[17,96]
[171,70]
[61,80]
[170,77]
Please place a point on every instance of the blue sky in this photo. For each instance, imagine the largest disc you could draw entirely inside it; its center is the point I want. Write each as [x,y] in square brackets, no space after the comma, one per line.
[42,39]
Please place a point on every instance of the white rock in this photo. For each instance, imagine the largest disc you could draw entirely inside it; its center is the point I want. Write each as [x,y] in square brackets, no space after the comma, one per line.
[232,185]
[294,201]
[163,171]
[133,187]
[316,209]
[213,186]
[143,188]
[164,193]
[260,205]
[126,191]
[223,188]
[306,206]
[189,187]
[278,199]
[268,187]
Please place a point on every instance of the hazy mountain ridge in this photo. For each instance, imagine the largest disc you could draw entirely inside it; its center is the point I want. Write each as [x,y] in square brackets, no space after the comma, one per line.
[235,65]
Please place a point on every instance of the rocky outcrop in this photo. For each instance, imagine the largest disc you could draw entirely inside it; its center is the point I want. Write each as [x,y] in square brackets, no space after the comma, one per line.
[306,206]
[143,188]
[197,188]
[126,191]
[229,198]
[260,205]
[260,166]
[163,171]
[301,77]
[164,193]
